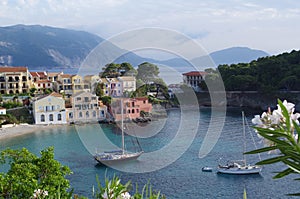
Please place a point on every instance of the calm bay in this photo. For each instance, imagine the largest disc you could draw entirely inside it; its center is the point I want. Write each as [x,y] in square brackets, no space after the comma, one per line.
[181,179]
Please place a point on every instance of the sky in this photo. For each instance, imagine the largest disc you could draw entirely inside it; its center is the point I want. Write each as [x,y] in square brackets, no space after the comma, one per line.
[269,25]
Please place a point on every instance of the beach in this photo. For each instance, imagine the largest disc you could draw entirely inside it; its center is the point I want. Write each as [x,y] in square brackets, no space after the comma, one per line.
[22,129]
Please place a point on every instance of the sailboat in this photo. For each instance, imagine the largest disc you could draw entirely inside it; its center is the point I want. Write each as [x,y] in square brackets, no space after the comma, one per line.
[239,167]
[118,156]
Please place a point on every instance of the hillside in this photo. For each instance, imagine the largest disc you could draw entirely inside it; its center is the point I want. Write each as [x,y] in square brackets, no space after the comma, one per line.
[35,46]
[267,74]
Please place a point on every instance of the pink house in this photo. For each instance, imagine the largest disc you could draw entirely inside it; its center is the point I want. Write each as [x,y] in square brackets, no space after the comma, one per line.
[132,107]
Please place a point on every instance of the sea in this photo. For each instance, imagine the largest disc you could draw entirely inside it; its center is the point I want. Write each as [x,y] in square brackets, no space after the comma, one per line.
[171,161]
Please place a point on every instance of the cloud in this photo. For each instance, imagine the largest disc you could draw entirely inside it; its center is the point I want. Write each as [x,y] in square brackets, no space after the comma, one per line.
[201,20]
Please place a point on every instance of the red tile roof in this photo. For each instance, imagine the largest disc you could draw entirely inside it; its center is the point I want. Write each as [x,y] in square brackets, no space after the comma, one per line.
[195,73]
[12,69]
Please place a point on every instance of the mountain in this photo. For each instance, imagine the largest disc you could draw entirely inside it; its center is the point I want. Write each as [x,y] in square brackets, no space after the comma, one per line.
[44,47]
[236,55]
[35,46]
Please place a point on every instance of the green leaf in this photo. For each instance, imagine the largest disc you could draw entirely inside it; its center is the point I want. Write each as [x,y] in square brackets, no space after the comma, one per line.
[297,128]
[270,148]
[272,160]
[292,165]
[284,173]
[293,155]
[294,194]
[285,114]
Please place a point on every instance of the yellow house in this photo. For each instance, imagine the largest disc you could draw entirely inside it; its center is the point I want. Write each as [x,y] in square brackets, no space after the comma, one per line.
[14,80]
[85,108]
[49,109]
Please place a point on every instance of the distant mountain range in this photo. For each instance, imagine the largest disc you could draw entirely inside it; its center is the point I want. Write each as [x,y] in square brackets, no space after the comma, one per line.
[38,46]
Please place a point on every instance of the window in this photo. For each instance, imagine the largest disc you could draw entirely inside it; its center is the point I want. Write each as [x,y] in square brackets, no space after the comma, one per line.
[86,99]
[94,114]
[59,117]
[87,114]
[144,101]
[80,114]
[51,117]
[40,108]
[49,84]
[137,110]
[71,115]
[42,118]
[132,111]
[94,98]
[78,98]
[128,111]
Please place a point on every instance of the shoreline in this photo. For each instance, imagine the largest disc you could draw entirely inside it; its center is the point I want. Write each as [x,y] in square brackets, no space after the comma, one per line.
[23,129]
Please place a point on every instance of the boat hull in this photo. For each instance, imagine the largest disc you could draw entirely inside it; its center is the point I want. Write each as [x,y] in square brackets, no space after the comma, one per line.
[109,158]
[240,171]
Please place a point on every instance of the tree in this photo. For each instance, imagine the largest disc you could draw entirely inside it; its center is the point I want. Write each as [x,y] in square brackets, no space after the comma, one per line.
[147,72]
[99,89]
[32,91]
[28,173]
[110,70]
[127,69]
[116,70]
[106,100]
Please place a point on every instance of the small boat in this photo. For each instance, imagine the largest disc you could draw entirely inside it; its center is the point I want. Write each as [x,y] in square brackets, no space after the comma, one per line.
[240,166]
[207,169]
[118,156]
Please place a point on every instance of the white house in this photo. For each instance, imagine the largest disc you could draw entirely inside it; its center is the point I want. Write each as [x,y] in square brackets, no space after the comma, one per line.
[49,109]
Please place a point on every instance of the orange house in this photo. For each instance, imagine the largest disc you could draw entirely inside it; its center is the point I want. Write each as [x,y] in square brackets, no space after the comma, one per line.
[132,107]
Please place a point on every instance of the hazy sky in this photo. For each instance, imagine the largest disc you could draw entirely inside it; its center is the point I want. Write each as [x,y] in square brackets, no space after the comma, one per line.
[269,25]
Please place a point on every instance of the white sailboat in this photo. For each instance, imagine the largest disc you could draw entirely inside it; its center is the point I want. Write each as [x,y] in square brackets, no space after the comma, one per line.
[118,156]
[240,166]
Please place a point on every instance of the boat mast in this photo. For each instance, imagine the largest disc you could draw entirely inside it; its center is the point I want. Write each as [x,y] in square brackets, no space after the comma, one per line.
[244,136]
[122,126]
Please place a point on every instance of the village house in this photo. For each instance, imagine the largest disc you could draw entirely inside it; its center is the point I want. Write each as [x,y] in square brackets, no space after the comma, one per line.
[85,108]
[194,78]
[49,109]
[92,81]
[132,107]
[115,87]
[2,111]
[63,84]
[14,80]
[37,76]
[53,76]
[41,85]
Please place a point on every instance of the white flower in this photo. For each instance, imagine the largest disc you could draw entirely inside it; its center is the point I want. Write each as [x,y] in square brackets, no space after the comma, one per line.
[45,193]
[104,195]
[124,195]
[257,120]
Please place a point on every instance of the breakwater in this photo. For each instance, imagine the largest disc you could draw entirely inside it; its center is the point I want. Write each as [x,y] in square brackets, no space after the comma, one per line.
[252,99]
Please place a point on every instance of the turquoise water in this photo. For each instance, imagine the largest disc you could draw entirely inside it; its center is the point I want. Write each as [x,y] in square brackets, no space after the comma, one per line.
[182,178]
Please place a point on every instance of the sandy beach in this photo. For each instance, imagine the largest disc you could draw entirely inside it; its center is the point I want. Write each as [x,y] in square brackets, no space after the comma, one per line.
[23,129]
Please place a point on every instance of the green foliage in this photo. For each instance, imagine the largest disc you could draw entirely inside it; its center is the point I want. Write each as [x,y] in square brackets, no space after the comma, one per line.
[106,100]
[116,70]
[99,89]
[8,119]
[29,173]
[273,73]
[147,72]
[283,137]
[11,104]
[114,189]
